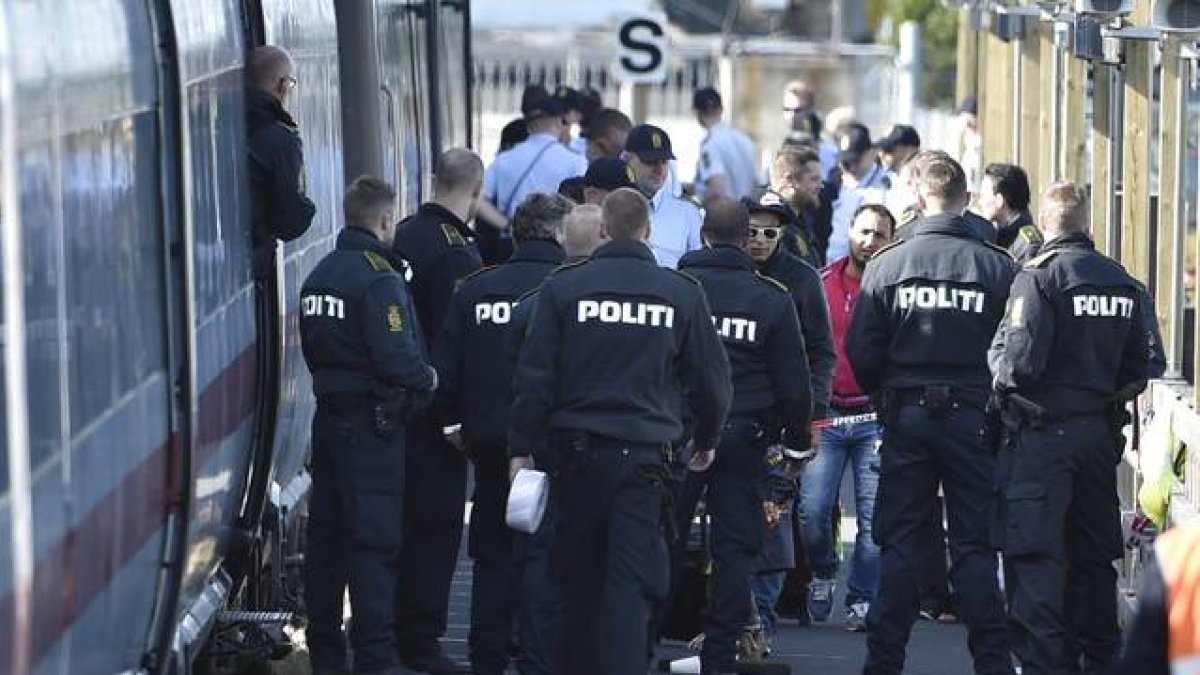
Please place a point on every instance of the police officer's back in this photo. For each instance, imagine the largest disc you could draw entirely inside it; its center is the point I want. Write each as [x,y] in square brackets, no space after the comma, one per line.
[757,321]
[477,386]
[1072,350]
[363,344]
[281,209]
[438,247]
[918,342]
[614,344]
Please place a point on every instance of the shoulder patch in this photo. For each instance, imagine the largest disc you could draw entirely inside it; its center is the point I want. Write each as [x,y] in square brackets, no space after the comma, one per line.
[453,238]
[887,248]
[1031,234]
[778,285]
[909,215]
[462,281]
[998,249]
[378,262]
[1041,260]
[395,321]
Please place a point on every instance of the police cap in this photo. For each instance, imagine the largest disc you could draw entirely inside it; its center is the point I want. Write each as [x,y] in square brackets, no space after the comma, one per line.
[546,106]
[567,96]
[900,135]
[608,173]
[649,143]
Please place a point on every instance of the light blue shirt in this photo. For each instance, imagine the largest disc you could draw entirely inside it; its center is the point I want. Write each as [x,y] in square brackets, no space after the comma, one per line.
[547,161]
[727,152]
[674,227]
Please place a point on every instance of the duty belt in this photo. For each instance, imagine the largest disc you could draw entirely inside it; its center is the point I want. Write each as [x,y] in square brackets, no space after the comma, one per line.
[940,399]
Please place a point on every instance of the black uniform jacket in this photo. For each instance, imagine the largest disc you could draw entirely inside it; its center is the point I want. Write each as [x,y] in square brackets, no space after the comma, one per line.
[358,330]
[757,321]
[804,283]
[439,248]
[1073,339]
[280,208]
[476,378]
[1021,237]
[614,343]
[929,308]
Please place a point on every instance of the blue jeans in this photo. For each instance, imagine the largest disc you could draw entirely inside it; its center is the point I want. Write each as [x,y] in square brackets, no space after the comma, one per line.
[767,586]
[855,446]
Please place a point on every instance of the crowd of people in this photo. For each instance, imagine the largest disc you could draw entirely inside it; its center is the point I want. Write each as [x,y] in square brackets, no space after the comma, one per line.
[744,340]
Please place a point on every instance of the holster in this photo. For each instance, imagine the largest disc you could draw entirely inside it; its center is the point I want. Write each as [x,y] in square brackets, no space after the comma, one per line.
[1018,411]
[938,400]
[393,407]
[993,423]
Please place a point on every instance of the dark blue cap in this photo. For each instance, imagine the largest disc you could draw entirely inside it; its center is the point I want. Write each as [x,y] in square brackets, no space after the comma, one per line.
[547,106]
[608,173]
[854,143]
[568,96]
[649,143]
[900,134]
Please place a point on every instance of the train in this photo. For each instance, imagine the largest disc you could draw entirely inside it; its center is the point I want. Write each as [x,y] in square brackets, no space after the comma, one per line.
[155,412]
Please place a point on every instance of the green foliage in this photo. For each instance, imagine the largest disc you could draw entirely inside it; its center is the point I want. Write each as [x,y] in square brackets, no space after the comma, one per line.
[939,27]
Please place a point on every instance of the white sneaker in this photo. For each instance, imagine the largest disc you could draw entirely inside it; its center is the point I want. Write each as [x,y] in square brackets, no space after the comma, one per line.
[856,617]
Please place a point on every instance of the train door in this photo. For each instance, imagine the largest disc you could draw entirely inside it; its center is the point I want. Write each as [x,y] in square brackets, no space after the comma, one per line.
[407,144]
[84,253]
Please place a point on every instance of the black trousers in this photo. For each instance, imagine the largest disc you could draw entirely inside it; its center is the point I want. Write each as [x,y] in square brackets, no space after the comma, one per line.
[921,448]
[495,579]
[1060,515]
[610,553]
[434,501]
[354,537]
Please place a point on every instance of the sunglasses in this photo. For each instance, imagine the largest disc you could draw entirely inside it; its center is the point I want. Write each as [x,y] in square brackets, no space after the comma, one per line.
[768,233]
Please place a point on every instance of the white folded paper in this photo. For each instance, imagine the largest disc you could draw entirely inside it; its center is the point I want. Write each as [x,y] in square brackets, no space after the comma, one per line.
[527,500]
[690,664]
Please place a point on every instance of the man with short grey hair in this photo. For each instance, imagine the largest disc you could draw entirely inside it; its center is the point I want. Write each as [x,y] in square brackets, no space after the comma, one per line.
[477,393]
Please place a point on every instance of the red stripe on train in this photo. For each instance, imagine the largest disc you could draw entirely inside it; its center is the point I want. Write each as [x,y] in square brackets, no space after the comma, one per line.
[84,561]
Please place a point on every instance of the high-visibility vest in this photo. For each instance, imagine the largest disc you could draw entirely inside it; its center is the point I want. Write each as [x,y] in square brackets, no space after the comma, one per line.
[1178,552]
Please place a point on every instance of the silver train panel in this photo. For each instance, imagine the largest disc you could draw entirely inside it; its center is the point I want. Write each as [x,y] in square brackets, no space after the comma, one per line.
[87,156]
[400,70]
[453,71]
[308,30]
[209,43]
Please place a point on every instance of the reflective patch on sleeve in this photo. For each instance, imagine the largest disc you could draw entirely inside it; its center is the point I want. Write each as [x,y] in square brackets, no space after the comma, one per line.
[395,319]
[1016,315]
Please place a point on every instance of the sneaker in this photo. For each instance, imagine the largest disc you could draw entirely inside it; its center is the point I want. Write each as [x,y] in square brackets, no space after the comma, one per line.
[820,599]
[856,617]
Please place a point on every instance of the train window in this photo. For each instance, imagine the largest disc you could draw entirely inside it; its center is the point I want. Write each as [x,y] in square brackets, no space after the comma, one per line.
[419,56]
[453,86]
[403,161]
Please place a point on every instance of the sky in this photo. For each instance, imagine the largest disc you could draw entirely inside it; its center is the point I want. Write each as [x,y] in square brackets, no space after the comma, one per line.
[549,13]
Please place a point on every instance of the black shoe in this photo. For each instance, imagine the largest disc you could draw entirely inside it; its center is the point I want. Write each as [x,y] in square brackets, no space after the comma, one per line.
[435,663]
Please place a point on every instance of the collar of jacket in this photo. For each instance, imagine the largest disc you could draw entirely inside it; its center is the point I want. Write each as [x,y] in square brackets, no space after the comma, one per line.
[1070,240]
[1009,230]
[442,214]
[722,256]
[263,109]
[626,248]
[943,223]
[777,260]
[355,238]
[538,250]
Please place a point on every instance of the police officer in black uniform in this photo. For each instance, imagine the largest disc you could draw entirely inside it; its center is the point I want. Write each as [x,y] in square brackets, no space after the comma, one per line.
[477,391]
[363,344]
[1072,351]
[614,345]
[1004,200]
[757,321]
[918,342]
[907,220]
[438,246]
[281,209]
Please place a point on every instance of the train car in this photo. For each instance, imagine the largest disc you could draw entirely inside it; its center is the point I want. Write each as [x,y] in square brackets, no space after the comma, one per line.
[156,410]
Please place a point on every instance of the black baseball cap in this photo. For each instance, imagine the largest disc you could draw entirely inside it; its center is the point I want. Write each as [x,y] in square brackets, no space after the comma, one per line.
[608,173]
[854,143]
[649,143]
[568,96]
[900,135]
[546,106]
[706,99]
[765,200]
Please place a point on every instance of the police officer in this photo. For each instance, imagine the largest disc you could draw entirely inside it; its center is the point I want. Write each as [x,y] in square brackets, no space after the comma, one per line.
[674,222]
[861,180]
[363,345]
[281,209]
[537,164]
[918,343]
[437,245]
[1004,200]
[761,332]
[1071,352]
[613,347]
[796,176]
[603,176]
[901,144]
[728,165]
[907,219]
[477,390]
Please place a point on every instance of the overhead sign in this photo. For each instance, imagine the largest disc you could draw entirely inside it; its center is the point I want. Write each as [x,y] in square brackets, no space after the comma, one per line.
[642,50]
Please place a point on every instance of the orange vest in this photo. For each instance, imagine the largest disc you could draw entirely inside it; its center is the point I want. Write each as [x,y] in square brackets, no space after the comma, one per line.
[1178,553]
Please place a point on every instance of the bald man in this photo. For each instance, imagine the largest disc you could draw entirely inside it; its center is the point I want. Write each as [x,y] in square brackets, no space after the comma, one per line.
[280,207]
[582,232]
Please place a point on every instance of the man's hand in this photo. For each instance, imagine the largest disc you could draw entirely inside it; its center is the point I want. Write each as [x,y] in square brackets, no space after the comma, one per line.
[453,436]
[516,464]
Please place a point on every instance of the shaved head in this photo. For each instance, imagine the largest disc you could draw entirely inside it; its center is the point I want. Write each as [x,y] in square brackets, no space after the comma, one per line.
[458,170]
[271,70]
[583,229]
[726,222]
[626,215]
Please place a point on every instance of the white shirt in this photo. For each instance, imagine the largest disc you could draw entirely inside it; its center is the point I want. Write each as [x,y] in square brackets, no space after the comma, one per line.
[548,162]
[674,227]
[828,152]
[578,145]
[727,152]
[853,195]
